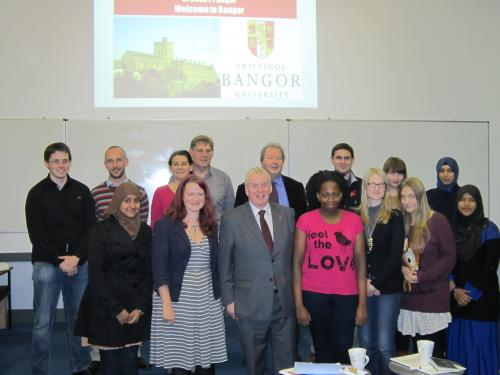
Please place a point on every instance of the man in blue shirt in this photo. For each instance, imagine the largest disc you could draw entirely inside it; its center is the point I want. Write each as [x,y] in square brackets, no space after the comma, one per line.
[286,191]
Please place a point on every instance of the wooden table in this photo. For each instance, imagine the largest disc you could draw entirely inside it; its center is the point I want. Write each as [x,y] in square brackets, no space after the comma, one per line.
[5,293]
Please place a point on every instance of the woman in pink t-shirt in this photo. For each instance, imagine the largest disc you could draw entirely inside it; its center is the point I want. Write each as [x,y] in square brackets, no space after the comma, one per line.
[329,269]
[180,165]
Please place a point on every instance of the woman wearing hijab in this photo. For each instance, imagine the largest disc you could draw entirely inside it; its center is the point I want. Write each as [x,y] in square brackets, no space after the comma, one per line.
[384,233]
[115,311]
[472,339]
[180,165]
[187,333]
[442,198]
[429,254]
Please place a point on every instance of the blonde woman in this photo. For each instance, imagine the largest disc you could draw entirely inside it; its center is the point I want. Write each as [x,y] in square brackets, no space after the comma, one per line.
[429,258]
[384,232]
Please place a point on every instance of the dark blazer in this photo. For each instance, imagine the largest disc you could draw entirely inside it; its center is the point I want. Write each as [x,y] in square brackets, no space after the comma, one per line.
[481,272]
[247,268]
[119,278]
[443,202]
[294,191]
[384,260]
[170,253]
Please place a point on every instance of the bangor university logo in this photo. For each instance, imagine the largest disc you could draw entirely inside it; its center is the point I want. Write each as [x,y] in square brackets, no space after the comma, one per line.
[260,37]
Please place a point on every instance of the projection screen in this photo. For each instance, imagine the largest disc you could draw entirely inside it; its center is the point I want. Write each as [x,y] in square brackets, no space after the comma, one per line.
[205,53]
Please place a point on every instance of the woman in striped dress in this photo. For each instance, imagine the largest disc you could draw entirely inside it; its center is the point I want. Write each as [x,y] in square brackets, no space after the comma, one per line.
[187,328]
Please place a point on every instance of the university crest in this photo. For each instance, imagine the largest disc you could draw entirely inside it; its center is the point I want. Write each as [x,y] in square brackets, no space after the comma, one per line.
[260,37]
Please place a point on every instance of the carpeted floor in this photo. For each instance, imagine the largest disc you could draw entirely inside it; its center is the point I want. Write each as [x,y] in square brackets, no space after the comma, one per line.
[15,350]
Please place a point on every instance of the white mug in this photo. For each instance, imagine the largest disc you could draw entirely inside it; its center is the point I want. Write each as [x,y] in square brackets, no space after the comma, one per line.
[358,358]
[425,349]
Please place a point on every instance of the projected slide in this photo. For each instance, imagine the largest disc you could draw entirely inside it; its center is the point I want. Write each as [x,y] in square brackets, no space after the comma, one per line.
[205,53]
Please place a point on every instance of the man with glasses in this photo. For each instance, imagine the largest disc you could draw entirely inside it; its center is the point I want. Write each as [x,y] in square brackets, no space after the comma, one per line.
[59,215]
[218,182]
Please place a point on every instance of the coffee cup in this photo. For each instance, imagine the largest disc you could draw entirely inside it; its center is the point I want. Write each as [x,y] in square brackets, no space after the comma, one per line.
[358,358]
[425,349]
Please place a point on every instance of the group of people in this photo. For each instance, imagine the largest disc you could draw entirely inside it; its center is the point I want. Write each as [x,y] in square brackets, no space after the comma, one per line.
[378,253]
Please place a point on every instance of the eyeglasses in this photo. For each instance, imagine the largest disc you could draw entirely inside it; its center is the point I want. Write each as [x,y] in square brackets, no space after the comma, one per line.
[373,185]
[59,162]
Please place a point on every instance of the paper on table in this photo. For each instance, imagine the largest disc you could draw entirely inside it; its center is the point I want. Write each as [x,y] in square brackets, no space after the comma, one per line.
[412,361]
[317,368]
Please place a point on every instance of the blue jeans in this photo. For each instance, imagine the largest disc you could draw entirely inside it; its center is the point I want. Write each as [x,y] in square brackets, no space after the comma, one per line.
[377,335]
[48,282]
[332,325]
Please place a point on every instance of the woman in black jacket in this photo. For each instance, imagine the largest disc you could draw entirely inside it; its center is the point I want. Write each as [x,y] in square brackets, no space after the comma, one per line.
[115,311]
[384,232]
[442,198]
[472,335]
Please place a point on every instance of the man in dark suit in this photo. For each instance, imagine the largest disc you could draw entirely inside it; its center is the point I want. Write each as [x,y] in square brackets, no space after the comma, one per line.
[255,269]
[286,191]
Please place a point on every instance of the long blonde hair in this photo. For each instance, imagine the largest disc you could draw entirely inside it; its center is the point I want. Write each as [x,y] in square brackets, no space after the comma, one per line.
[384,213]
[420,233]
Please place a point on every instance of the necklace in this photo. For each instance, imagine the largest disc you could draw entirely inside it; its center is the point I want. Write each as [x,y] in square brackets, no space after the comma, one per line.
[369,228]
[192,226]
[369,236]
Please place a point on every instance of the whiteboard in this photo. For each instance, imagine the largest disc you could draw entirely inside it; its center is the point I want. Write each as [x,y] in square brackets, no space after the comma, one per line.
[419,143]
[21,148]
[148,144]
[307,144]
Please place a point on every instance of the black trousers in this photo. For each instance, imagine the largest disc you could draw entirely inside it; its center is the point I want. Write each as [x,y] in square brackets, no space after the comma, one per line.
[333,318]
[121,361]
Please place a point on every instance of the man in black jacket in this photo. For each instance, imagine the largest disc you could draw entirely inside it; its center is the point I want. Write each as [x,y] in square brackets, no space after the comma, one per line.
[286,191]
[59,215]
[342,159]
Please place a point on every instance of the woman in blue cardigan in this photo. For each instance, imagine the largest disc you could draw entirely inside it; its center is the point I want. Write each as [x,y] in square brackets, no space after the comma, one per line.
[187,328]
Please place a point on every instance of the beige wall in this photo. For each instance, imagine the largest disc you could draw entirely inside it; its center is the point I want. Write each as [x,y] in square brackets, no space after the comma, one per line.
[425,60]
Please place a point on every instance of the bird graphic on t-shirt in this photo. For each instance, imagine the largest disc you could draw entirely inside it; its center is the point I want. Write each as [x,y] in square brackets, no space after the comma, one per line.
[342,240]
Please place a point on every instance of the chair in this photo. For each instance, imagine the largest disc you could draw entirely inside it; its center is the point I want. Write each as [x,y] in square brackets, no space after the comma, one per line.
[5,293]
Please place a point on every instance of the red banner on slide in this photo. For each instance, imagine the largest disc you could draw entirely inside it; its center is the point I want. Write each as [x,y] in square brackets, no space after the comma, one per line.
[208,8]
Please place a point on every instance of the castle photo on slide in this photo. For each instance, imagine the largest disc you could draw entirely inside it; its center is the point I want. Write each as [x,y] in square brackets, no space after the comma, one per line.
[162,74]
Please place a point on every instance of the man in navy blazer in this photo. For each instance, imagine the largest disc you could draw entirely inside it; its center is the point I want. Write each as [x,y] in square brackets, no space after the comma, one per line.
[255,271]
[290,192]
